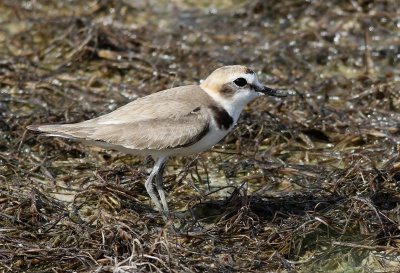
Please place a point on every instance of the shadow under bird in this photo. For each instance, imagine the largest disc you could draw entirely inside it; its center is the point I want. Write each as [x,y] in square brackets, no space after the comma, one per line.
[174,122]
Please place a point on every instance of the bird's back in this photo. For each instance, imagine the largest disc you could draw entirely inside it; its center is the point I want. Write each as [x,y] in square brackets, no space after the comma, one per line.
[173,118]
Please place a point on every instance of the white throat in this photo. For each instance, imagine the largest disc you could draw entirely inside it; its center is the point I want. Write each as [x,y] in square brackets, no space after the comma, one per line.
[233,105]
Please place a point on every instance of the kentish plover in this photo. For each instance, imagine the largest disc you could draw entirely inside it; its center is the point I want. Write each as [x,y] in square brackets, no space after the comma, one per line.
[178,121]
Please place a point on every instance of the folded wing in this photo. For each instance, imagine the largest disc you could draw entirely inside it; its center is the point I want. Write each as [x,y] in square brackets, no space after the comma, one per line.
[159,121]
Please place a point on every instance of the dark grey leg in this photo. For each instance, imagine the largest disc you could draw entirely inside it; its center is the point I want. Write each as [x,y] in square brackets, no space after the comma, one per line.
[157,169]
[160,187]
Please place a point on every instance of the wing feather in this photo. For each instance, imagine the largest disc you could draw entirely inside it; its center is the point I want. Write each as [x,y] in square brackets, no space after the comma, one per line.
[159,121]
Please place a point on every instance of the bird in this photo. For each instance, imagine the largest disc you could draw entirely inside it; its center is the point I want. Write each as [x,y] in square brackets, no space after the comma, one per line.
[174,122]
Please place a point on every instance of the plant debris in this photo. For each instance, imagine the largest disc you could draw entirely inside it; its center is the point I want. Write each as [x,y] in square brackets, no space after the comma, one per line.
[307,183]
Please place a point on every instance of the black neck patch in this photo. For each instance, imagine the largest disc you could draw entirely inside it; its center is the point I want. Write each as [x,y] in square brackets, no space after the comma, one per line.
[221,117]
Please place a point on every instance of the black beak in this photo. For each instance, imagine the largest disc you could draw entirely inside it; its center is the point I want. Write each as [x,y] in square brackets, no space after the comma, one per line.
[270,91]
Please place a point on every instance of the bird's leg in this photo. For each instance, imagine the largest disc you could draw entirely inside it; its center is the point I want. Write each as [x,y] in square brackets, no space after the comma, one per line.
[157,173]
[160,186]
[150,188]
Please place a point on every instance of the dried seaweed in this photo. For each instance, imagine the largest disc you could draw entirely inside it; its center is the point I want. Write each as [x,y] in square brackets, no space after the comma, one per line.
[308,183]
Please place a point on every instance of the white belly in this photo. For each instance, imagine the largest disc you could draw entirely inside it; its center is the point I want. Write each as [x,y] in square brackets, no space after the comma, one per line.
[210,139]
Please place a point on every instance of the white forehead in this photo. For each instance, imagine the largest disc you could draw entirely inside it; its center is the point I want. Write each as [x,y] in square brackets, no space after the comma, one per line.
[226,75]
[249,77]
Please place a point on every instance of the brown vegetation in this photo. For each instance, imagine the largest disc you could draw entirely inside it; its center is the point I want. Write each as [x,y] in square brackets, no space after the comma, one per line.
[306,183]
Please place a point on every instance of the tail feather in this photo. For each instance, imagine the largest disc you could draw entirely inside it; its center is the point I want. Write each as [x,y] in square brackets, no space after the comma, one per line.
[61,130]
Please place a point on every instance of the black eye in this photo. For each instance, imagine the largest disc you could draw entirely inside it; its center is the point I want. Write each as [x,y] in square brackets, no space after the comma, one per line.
[240,82]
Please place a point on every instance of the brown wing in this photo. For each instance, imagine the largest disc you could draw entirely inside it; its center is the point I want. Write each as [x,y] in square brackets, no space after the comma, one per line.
[163,120]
